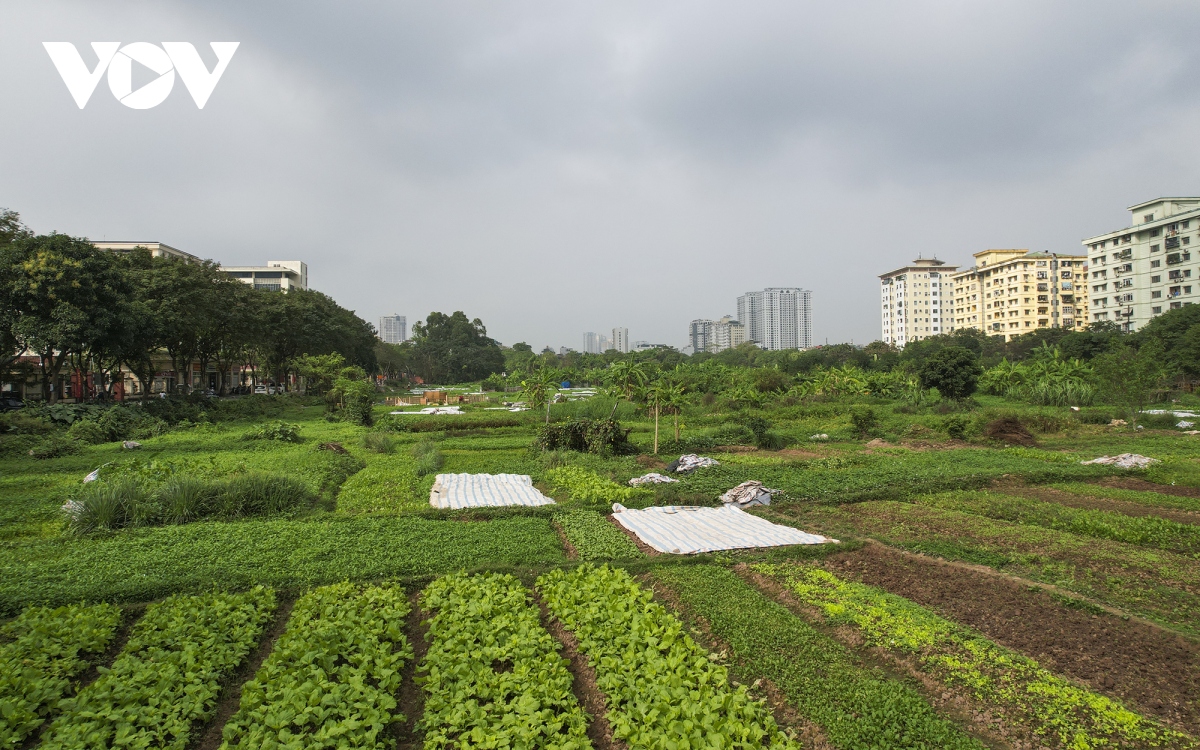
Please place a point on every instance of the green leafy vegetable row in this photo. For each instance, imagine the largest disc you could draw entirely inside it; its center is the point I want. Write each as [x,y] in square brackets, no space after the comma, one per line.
[168,676]
[1144,531]
[583,486]
[856,707]
[493,675]
[662,689]
[594,537]
[331,680]
[1057,711]
[45,649]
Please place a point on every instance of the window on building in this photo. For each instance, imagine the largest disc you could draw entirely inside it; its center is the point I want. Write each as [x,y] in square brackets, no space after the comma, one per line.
[1155,279]
[1148,217]
[1187,290]
[1155,263]
[1155,232]
[1154,248]
[1187,240]
[1156,310]
[1156,294]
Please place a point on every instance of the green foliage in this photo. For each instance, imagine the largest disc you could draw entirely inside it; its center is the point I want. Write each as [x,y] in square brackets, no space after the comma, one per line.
[856,707]
[594,537]
[353,400]
[1131,377]
[1144,531]
[662,689]
[429,459]
[115,424]
[440,423]
[54,446]
[451,349]
[1055,709]
[168,676]
[319,371]
[379,442]
[602,437]
[331,679]
[956,426]
[493,676]
[584,486]
[277,430]
[44,651]
[865,421]
[493,382]
[128,501]
[145,564]
[1048,380]
[952,370]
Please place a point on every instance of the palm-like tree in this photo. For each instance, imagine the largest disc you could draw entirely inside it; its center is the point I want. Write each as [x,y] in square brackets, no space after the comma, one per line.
[539,388]
[624,378]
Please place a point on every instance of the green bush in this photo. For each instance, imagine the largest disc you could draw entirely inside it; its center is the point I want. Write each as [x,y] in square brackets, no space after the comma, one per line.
[107,506]
[185,499]
[956,426]
[115,424]
[603,437]
[261,494]
[953,370]
[379,442]
[353,399]
[55,446]
[175,409]
[865,421]
[281,431]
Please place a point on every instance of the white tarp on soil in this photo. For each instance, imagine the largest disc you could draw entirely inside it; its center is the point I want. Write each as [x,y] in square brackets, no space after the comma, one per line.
[454,491]
[1124,461]
[683,530]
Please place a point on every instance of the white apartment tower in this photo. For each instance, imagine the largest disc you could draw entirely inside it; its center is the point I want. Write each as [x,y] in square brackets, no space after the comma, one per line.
[777,317]
[716,335]
[620,340]
[1146,268]
[393,329]
[912,298]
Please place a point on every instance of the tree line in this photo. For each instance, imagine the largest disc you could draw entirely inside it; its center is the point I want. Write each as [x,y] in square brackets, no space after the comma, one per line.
[76,308]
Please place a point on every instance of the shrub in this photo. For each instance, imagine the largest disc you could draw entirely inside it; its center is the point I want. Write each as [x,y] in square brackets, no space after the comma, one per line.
[438,424]
[352,398]
[493,382]
[261,494]
[953,370]
[864,419]
[732,433]
[175,409]
[115,424]
[379,442]
[281,431]
[956,426]
[55,446]
[602,437]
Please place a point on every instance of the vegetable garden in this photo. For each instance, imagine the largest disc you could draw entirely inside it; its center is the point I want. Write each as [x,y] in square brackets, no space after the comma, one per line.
[982,594]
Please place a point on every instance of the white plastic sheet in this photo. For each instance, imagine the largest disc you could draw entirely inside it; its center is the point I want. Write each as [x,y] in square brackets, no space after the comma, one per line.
[684,530]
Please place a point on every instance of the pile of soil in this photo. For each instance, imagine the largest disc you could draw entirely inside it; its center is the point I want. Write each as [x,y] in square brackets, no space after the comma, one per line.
[1009,430]
[334,447]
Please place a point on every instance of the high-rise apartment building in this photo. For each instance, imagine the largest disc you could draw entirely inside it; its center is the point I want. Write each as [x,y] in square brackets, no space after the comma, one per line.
[716,335]
[777,317]
[1013,292]
[916,301]
[393,329]
[1148,267]
[591,343]
[605,343]
[620,340]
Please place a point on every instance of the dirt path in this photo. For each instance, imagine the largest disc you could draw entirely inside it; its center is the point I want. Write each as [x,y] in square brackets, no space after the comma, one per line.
[411,700]
[1124,507]
[1151,669]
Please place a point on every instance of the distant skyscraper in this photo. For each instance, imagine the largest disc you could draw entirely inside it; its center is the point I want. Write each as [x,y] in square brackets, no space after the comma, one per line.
[393,329]
[591,343]
[716,335]
[777,317]
[605,343]
[620,339]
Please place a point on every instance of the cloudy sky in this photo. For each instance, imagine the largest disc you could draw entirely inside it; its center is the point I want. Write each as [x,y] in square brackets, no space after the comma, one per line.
[561,167]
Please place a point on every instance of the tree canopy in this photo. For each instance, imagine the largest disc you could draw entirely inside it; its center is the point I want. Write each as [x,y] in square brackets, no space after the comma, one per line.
[452,349]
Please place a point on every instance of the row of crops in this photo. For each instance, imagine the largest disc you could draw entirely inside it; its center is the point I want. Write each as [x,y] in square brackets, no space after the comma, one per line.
[493,675]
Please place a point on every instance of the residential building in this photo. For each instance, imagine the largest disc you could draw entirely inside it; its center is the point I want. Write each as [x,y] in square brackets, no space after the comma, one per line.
[276,276]
[620,340]
[594,343]
[1013,292]
[777,317]
[1148,267]
[157,249]
[605,343]
[393,329]
[716,335]
[916,301]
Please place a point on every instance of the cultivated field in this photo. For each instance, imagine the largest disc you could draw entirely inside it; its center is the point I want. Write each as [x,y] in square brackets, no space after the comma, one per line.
[235,582]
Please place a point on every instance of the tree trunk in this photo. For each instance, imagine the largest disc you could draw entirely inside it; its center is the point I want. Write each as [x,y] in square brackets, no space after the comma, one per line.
[677,425]
[656,427]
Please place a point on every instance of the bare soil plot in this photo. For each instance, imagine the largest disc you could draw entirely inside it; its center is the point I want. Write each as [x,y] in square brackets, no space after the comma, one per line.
[1154,670]
[1100,503]
[1132,483]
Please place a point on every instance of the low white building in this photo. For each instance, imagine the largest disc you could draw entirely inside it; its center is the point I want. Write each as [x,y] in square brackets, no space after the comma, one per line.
[276,276]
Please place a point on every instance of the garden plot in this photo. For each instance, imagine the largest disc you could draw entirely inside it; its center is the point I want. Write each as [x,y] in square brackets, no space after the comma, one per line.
[689,530]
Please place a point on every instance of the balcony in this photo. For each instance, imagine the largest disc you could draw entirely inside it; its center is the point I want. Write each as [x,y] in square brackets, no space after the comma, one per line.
[1127,268]
[1171,243]
[1176,258]
[1126,254]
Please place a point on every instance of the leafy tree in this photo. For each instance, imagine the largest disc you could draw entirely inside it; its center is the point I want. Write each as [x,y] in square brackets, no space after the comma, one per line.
[319,371]
[453,349]
[1172,330]
[953,370]
[1131,377]
[352,396]
[624,378]
[539,387]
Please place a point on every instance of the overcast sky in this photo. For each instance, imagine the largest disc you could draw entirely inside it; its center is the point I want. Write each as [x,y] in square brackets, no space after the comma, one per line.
[561,167]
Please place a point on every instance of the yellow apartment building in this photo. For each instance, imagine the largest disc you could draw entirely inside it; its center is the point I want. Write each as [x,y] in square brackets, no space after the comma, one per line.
[1012,292]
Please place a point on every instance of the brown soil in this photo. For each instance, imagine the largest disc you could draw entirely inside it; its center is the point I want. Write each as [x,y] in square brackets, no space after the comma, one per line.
[572,553]
[734,449]
[231,692]
[954,703]
[1009,430]
[1099,503]
[799,453]
[1130,483]
[1154,670]
[787,717]
[411,699]
[648,461]
[583,684]
[334,447]
[650,551]
[879,443]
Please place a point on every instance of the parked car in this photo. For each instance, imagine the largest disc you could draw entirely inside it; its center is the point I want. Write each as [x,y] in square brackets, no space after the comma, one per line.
[260,390]
[267,390]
